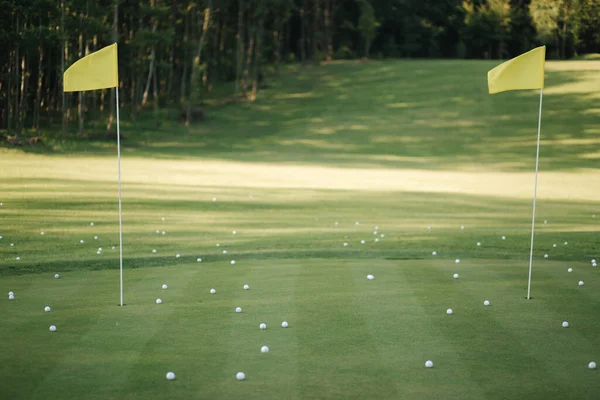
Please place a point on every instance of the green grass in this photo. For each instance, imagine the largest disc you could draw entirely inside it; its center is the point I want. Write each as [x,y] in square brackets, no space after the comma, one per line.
[402,145]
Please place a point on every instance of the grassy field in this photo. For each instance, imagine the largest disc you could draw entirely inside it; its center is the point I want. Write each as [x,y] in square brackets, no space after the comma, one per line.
[412,150]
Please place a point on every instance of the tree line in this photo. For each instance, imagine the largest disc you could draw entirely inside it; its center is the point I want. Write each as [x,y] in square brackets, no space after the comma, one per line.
[171,52]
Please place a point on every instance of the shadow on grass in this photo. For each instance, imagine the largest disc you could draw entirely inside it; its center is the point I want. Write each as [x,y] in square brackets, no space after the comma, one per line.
[400,114]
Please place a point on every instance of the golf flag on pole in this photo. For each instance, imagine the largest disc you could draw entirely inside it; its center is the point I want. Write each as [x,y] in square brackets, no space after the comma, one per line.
[99,70]
[523,72]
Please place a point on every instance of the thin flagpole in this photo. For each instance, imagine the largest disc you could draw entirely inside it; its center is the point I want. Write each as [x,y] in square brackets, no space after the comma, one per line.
[537,159]
[120,207]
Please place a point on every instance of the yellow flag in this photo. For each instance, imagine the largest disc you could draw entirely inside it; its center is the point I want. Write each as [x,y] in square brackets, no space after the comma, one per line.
[523,72]
[98,70]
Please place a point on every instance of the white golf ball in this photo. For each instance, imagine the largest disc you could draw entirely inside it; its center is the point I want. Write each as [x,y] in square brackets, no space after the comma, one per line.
[158,301]
[18,258]
[218,244]
[99,248]
[98,252]
[429,364]
[198,259]
[11,296]
[362,242]
[213,291]
[234,232]
[284,324]
[593,261]
[449,311]
[592,365]
[566,243]
[11,293]
[170,376]
[486,303]
[570,270]
[246,287]
[95,237]
[554,245]
[376,228]
[382,235]
[47,309]
[434,253]
[457,261]
[154,250]
[264,349]
[462,227]
[42,233]
[224,251]
[565,324]
[164,232]
[455,276]
[356,223]
[91,224]
[545,221]
[336,222]
[345,244]
[56,276]
[594,265]
[164,286]
[238,309]
[158,231]
[232,262]
[12,245]
[262,326]
[163,218]
[478,243]
[580,283]
[81,241]
[240,376]
[214,199]
[177,255]
[370,277]
[503,237]
[377,239]
[52,328]
[545,255]
[375,233]
[428,228]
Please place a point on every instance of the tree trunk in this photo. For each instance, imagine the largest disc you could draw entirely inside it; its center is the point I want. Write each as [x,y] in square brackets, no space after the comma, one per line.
[38,92]
[303,33]
[315,31]
[151,69]
[246,77]
[196,65]
[62,71]
[16,110]
[257,55]
[155,94]
[240,47]
[186,34]
[328,29]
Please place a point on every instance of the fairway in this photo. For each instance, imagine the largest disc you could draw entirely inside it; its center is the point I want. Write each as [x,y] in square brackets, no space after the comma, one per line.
[411,157]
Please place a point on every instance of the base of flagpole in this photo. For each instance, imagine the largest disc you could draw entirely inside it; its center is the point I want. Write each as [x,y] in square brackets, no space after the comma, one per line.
[122,305]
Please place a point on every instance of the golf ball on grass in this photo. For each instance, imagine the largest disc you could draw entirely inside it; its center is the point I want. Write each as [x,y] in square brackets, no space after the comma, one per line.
[457,261]
[170,376]
[52,328]
[594,265]
[18,258]
[95,237]
[158,301]
[570,270]
[42,233]
[11,293]
[580,283]
[47,309]
[478,243]
[362,242]
[164,232]
[455,276]
[545,255]
[198,260]
[164,286]
[503,237]
[154,250]
[56,276]
[238,309]
[240,376]
[592,365]
[284,324]
[11,296]
[234,232]
[449,311]
[434,253]
[91,224]
[232,262]
[345,244]
[213,291]
[565,324]
[262,326]
[370,277]
[177,255]
[224,251]
[428,364]
[264,349]
[377,239]
[246,287]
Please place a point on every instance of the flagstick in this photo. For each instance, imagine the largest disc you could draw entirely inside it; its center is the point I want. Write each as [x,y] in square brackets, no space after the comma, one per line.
[120,208]
[537,158]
